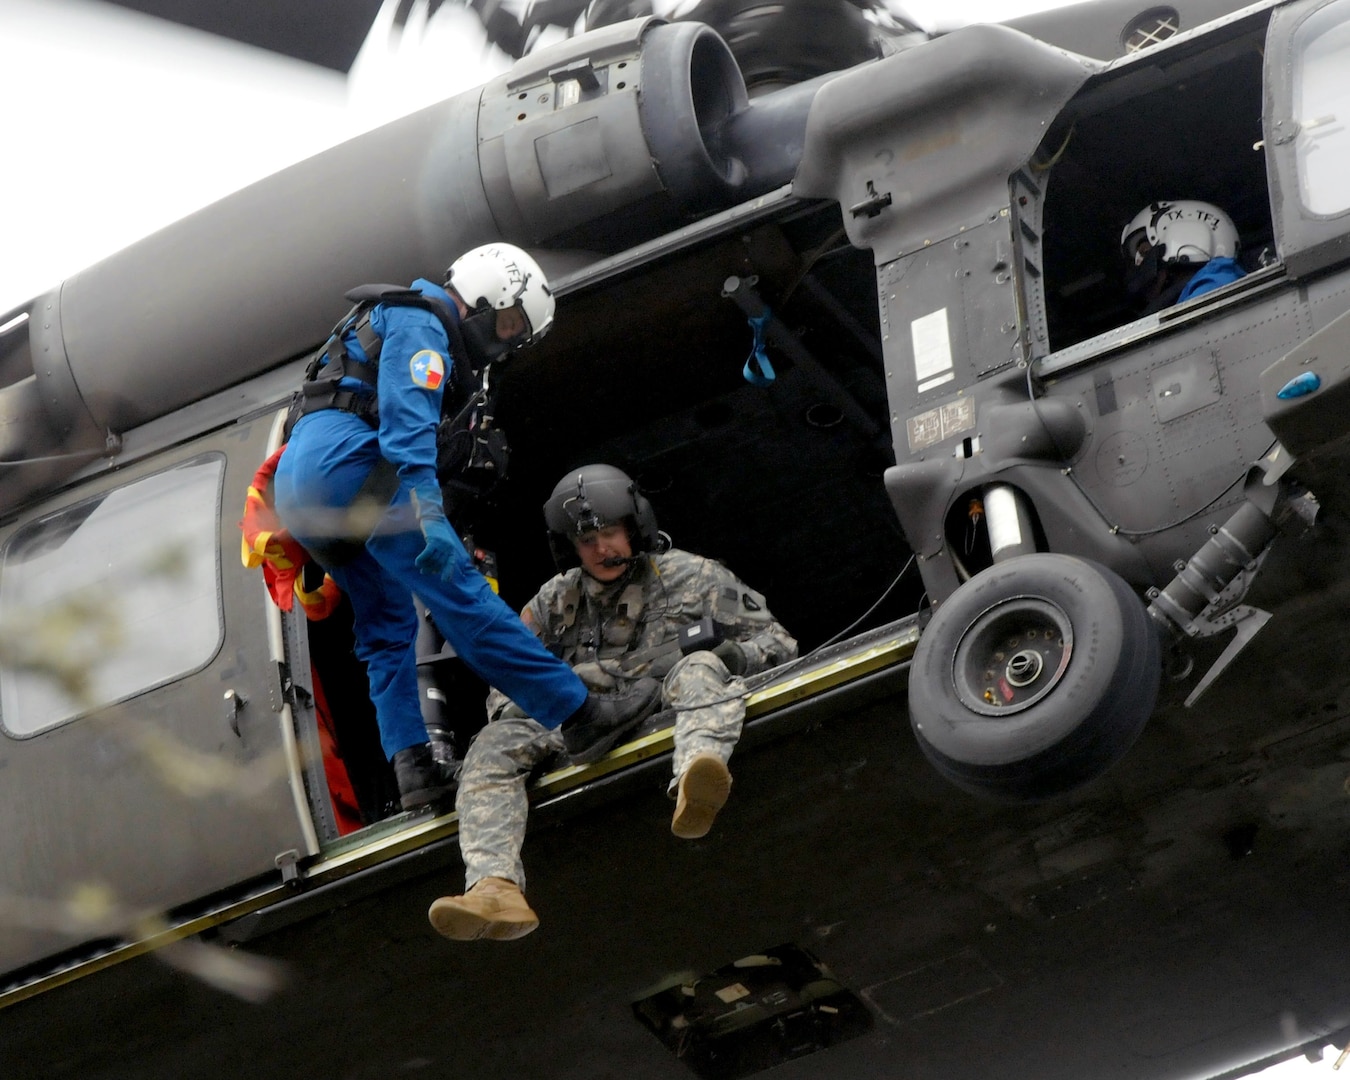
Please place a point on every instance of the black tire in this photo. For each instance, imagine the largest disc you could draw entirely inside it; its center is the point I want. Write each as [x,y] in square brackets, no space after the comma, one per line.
[1034,677]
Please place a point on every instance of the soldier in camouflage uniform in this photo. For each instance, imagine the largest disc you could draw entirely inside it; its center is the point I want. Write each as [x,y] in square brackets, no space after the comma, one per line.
[617,618]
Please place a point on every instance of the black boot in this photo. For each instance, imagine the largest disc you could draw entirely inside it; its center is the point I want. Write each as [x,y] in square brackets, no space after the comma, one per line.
[422,780]
[602,720]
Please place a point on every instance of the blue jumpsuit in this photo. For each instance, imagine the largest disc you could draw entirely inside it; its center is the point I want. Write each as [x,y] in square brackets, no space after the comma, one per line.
[1212,275]
[329,456]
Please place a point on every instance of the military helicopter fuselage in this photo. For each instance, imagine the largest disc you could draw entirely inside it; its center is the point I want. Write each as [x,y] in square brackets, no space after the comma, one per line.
[864,338]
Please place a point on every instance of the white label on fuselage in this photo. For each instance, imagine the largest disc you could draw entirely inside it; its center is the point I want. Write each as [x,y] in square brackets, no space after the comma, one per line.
[932,350]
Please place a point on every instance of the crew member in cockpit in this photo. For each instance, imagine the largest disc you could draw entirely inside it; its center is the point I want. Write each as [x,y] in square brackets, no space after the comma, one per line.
[1178,250]
[626,606]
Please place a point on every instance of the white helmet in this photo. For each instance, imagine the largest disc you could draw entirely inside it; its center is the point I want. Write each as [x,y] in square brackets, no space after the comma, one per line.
[499,276]
[1188,231]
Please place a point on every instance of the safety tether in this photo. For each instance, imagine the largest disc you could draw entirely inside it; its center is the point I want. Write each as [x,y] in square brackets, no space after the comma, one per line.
[758,371]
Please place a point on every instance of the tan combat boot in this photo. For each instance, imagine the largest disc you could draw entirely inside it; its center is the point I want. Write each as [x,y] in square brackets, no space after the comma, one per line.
[494,909]
[703,791]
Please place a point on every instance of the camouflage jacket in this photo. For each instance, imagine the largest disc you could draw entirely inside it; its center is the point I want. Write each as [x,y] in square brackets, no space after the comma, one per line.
[632,625]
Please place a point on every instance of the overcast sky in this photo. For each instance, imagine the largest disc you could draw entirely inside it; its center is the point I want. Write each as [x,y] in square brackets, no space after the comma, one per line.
[117,124]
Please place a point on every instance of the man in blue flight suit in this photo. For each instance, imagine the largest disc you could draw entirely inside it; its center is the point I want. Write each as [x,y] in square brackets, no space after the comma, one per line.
[1178,250]
[357,487]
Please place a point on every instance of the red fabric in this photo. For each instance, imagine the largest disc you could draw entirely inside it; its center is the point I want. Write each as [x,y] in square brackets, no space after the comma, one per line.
[346,809]
[267,544]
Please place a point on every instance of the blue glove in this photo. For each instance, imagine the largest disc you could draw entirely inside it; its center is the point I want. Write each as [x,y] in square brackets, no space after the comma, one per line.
[438,557]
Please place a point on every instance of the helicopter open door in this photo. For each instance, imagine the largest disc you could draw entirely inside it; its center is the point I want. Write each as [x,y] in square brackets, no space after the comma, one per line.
[145,744]
[1054,478]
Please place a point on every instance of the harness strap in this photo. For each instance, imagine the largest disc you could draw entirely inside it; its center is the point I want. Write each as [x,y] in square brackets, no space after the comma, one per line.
[446,315]
[758,371]
[631,661]
[320,389]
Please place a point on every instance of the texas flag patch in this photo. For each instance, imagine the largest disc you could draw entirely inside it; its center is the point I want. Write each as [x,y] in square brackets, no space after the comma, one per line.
[428,369]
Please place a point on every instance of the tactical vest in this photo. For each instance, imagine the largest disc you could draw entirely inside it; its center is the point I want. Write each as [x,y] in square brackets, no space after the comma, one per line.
[576,630]
[591,638]
[471,453]
[333,362]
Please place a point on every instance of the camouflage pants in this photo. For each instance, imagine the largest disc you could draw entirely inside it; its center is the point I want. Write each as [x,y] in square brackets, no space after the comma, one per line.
[707,723]
[492,803]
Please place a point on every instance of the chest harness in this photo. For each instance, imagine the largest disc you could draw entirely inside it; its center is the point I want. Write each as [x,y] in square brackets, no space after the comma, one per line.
[580,630]
[333,362]
[471,452]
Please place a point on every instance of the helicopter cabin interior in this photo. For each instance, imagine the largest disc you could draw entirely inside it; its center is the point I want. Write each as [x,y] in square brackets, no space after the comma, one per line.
[780,480]
[1183,123]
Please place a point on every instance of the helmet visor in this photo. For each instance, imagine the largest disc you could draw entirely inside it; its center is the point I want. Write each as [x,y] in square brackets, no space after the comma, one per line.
[1135,247]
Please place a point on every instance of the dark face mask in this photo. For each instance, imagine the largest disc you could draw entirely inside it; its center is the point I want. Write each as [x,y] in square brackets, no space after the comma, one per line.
[480,338]
[1139,279]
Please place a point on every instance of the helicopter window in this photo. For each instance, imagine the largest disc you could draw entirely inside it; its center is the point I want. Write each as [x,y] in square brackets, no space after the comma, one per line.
[111,597]
[1189,129]
[1321,104]
[1148,29]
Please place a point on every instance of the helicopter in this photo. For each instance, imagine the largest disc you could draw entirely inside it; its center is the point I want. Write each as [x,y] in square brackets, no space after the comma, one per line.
[1060,776]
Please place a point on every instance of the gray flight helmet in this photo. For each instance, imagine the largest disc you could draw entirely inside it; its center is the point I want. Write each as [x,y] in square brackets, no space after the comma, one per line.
[590,498]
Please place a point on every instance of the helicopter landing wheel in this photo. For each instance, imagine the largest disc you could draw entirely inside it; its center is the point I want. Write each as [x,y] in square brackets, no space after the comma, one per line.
[1034,677]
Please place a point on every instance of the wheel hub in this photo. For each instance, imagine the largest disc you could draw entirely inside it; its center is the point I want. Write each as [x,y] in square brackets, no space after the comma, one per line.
[1024,668]
[1012,655]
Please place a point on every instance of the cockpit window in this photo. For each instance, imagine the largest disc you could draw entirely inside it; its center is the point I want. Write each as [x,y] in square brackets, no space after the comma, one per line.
[110,597]
[1321,109]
